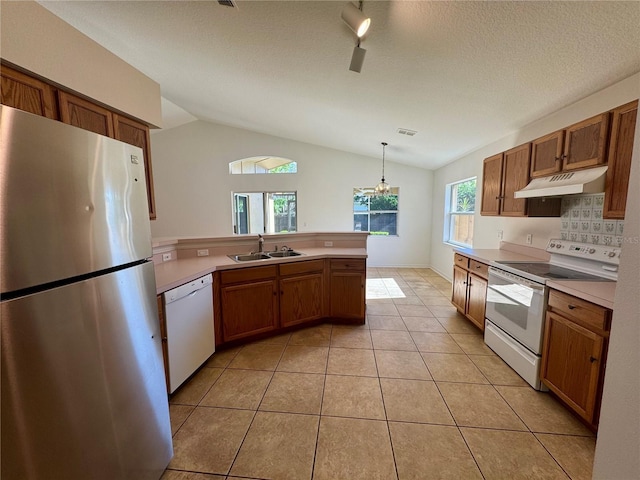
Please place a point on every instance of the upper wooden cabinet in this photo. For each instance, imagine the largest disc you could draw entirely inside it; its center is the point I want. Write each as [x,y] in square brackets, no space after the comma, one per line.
[623,128]
[503,175]
[515,176]
[546,154]
[135,133]
[20,90]
[581,145]
[586,143]
[491,185]
[27,93]
[80,113]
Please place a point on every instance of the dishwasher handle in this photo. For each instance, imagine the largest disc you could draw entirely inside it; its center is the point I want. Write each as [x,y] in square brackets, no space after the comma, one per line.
[188,289]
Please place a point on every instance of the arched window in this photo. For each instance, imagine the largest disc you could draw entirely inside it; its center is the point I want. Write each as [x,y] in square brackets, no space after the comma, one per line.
[253,165]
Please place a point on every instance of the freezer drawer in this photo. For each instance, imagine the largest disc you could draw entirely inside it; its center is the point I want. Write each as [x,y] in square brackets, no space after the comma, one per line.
[83,391]
[190,332]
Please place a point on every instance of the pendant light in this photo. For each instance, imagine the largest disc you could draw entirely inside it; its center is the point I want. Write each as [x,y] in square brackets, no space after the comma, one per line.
[383,187]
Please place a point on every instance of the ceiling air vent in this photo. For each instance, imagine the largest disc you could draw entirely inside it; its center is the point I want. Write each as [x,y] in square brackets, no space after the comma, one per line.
[406,131]
[228,3]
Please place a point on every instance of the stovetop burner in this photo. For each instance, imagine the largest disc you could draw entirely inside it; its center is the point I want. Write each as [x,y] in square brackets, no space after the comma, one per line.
[551,272]
[569,261]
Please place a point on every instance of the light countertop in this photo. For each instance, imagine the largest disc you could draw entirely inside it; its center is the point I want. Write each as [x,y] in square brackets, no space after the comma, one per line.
[178,272]
[600,293]
[495,255]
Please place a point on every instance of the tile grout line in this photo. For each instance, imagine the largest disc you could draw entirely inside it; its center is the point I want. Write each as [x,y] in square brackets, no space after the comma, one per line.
[386,417]
[201,398]
[255,412]
[324,384]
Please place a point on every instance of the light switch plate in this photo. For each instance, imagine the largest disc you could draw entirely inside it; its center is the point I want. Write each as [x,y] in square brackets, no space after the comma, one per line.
[203,253]
[166,257]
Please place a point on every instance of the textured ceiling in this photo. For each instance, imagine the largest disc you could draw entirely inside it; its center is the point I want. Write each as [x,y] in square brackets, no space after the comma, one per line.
[462,74]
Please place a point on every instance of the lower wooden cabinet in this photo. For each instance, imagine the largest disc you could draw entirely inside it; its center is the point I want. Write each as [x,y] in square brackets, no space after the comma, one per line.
[574,353]
[162,318]
[476,299]
[470,288]
[348,282]
[301,292]
[256,300]
[249,302]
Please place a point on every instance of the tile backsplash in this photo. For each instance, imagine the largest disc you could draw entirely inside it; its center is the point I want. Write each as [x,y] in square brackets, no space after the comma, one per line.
[581,221]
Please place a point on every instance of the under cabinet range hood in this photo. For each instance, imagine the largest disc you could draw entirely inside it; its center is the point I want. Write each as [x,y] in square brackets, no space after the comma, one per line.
[590,180]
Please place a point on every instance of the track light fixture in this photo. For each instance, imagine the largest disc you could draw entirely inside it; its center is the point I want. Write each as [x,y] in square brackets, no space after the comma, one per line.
[383,187]
[357,21]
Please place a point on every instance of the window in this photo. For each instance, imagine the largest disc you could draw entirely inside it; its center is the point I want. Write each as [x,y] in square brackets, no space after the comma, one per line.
[460,206]
[377,215]
[264,212]
[248,166]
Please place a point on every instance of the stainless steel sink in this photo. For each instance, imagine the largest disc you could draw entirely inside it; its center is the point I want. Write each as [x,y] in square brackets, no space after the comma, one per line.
[248,257]
[287,253]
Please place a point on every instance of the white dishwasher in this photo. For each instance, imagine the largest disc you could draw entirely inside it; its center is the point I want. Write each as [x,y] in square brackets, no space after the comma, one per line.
[190,333]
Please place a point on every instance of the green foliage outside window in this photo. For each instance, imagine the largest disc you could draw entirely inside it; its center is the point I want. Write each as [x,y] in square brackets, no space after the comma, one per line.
[465,196]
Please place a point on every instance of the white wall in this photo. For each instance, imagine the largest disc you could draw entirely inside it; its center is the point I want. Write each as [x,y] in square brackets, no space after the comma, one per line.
[36,40]
[515,229]
[618,446]
[193,187]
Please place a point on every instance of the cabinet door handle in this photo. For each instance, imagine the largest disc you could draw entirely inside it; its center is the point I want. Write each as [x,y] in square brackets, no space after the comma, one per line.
[593,359]
[571,307]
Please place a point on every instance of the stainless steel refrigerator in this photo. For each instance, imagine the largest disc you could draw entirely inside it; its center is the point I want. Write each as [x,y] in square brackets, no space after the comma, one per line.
[83,393]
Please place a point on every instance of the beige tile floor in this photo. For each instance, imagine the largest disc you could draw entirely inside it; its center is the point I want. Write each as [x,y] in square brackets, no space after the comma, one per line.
[413,394]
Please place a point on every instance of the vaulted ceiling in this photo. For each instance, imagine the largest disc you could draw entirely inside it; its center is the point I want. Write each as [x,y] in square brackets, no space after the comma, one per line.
[461,74]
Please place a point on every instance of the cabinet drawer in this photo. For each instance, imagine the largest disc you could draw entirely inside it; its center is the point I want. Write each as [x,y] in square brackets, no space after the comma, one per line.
[295,268]
[479,268]
[582,312]
[461,261]
[353,264]
[247,274]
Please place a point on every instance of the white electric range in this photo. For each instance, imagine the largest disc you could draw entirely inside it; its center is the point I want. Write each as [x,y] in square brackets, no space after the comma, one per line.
[517,297]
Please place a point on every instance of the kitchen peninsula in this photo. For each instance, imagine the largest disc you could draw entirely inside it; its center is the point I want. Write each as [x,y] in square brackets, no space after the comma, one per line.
[257,297]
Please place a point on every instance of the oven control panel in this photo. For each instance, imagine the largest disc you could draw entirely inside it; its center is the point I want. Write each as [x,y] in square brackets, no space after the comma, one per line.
[600,253]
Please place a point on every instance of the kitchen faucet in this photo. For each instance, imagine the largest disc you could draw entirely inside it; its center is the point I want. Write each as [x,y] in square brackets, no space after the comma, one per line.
[260,243]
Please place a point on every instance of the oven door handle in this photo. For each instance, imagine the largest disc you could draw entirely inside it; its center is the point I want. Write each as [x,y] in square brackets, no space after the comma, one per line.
[536,287]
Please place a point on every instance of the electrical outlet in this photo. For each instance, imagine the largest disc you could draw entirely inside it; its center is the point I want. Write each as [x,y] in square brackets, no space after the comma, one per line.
[499,234]
[203,253]
[529,238]
[166,257]
[328,244]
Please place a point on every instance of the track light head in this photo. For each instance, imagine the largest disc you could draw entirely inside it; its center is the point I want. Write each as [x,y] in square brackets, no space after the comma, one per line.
[357,21]
[357,59]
